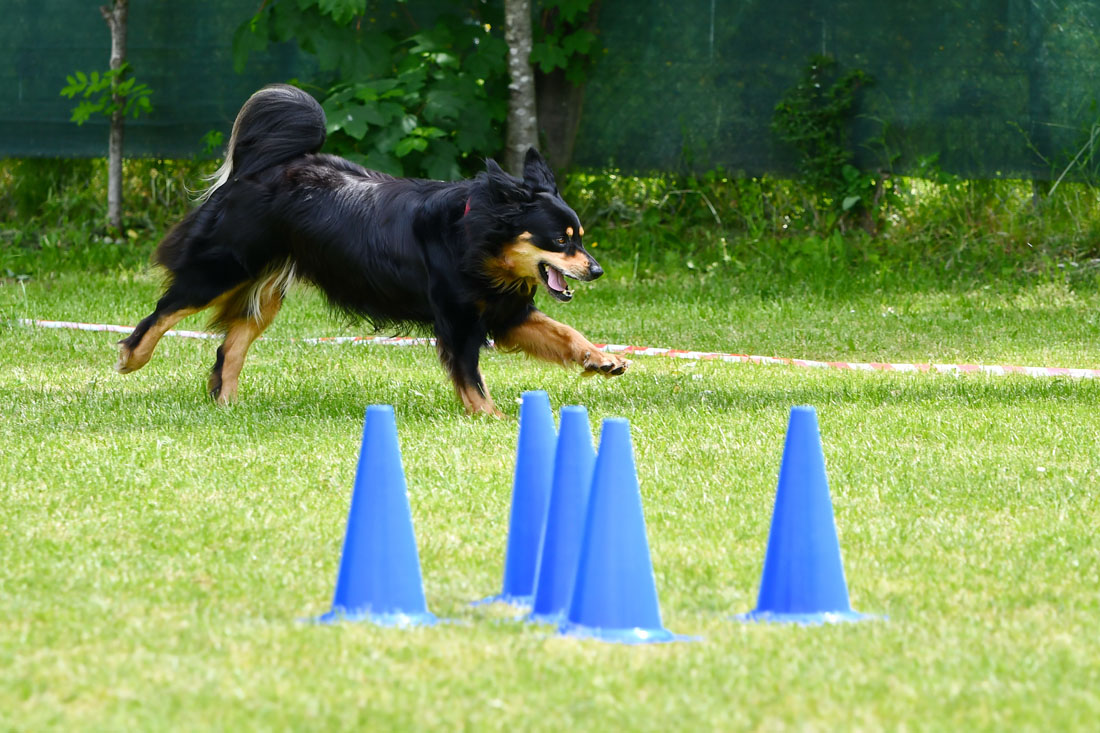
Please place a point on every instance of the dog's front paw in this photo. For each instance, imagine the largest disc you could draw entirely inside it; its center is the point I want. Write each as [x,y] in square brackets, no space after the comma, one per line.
[608,365]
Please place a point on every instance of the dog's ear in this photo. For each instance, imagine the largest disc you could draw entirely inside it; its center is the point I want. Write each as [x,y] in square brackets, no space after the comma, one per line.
[503,187]
[537,174]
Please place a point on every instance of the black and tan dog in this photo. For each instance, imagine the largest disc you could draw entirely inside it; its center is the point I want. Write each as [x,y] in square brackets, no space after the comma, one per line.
[463,258]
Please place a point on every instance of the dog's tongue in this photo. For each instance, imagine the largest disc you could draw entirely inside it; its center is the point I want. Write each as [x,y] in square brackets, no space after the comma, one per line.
[554,280]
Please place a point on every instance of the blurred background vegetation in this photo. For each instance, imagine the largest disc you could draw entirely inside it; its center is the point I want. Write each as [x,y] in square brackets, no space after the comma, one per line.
[955,141]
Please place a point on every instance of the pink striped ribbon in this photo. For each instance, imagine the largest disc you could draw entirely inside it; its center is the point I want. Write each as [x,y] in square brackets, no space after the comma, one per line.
[993,369]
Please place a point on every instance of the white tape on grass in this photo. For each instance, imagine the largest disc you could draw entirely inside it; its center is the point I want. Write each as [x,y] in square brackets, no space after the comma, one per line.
[992,369]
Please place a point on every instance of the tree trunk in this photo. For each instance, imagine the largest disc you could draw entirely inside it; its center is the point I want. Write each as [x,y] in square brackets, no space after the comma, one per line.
[559,114]
[560,102]
[522,118]
[116,17]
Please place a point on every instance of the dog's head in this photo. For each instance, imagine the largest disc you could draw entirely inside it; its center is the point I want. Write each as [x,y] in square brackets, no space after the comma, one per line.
[542,244]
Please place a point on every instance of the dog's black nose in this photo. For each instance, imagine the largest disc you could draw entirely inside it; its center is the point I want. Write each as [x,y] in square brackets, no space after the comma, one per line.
[594,269]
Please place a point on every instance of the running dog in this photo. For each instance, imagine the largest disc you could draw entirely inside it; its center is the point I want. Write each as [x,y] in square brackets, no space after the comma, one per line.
[464,258]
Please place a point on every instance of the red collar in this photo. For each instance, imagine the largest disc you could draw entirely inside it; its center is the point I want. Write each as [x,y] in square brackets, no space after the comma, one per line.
[467,211]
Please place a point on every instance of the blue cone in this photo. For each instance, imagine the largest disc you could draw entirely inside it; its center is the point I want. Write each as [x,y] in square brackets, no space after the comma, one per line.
[615,594]
[379,579]
[803,579]
[574,461]
[530,498]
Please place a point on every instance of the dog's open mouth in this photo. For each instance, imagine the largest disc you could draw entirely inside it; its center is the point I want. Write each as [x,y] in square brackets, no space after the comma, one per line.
[554,280]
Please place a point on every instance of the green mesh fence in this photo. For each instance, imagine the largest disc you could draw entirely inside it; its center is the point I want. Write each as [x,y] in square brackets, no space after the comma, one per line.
[993,88]
[182,50]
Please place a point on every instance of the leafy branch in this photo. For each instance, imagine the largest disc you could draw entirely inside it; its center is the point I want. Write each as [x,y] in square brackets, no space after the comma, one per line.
[564,40]
[398,98]
[99,89]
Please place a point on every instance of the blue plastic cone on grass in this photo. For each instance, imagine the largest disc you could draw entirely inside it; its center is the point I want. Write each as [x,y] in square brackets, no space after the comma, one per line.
[379,578]
[530,498]
[615,594]
[803,578]
[574,461]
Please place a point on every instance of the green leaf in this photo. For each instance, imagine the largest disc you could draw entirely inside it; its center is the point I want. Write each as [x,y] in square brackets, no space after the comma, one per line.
[211,141]
[443,105]
[72,88]
[579,42]
[490,58]
[477,134]
[441,161]
[849,202]
[330,52]
[569,10]
[374,90]
[142,105]
[431,133]
[385,139]
[438,38]
[382,161]
[413,74]
[380,114]
[249,37]
[408,144]
[444,59]
[351,120]
[548,57]
[576,75]
[342,11]
[83,111]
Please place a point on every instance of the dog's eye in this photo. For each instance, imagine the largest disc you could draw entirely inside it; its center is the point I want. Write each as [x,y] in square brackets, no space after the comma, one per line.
[561,240]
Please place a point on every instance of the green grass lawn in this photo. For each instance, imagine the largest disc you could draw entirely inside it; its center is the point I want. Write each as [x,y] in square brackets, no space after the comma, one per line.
[159,552]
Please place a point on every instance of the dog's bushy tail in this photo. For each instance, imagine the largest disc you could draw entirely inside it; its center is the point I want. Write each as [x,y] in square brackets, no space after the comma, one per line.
[278,123]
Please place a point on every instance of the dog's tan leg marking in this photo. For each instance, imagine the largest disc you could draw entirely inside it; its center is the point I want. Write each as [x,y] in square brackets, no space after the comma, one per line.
[543,337]
[222,384]
[475,402]
[130,360]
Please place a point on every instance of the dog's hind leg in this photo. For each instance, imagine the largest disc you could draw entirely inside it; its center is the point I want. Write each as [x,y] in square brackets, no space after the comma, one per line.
[137,348]
[176,304]
[244,322]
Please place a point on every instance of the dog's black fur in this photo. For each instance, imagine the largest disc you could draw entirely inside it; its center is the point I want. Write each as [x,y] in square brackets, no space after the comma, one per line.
[463,258]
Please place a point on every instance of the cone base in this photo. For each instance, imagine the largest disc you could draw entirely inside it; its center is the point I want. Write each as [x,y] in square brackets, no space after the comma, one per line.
[519,601]
[805,619]
[623,636]
[548,619]
[398,620]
